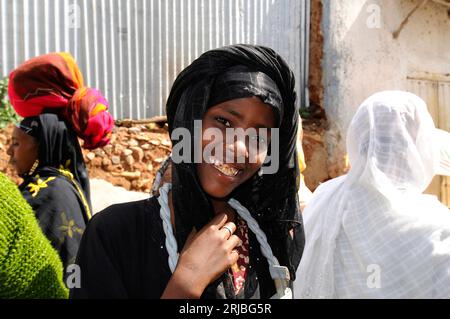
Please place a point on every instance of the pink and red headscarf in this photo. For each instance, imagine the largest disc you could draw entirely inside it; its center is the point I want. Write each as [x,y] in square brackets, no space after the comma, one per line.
[53,82]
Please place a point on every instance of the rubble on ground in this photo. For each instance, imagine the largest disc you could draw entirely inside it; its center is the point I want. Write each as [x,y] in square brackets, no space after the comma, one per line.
[131,160]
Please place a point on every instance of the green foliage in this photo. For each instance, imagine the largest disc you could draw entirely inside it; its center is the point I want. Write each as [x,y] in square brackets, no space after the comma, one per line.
[7,113]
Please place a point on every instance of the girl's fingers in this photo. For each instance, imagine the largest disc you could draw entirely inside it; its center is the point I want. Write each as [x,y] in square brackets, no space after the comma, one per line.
[234,256]
[233,242]
[227,230]
[219,220]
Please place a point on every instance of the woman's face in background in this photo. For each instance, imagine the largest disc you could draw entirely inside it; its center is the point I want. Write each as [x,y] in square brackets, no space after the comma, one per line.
[23,151]
[219,175]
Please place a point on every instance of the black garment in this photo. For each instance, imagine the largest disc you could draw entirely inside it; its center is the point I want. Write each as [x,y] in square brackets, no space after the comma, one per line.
[58,188]
[123,255]
[229,73]
[60,208]
[58,146]
[130,247]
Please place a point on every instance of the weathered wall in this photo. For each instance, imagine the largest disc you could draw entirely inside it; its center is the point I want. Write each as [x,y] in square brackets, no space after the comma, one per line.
[316,55]
[361,56]
[314,120]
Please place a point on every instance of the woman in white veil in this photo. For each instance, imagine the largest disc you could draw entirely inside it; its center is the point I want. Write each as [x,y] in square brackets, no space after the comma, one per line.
[372,233]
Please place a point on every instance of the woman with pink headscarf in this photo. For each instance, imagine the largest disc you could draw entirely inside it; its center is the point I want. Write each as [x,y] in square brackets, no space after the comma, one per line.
[48,92]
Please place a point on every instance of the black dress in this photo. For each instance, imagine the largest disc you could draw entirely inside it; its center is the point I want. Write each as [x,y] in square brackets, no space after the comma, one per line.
[123,255]
[58,188]
[60,207]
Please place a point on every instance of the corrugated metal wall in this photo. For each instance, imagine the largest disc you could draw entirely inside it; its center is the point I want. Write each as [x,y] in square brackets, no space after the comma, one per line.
[132,50]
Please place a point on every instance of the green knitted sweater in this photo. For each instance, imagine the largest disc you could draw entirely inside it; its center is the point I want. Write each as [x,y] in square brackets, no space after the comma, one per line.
[29,266]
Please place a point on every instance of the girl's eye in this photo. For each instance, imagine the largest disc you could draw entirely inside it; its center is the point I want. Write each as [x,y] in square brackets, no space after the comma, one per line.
[259,139]
[223,121]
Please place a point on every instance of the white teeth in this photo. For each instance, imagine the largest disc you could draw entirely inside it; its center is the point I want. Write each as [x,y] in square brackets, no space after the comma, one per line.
[227,170]
[223,168]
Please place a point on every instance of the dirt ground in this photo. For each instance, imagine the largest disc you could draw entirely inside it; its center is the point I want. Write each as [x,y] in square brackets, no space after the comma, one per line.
[104,194]
[131,160]
[5,140]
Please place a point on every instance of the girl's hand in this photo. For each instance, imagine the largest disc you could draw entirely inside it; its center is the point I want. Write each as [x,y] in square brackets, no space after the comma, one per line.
[204,258]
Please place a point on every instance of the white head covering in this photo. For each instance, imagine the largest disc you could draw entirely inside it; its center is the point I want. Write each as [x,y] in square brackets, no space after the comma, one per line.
[372,233]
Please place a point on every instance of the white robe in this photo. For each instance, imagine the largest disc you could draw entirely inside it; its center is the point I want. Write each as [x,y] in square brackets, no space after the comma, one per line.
[372,233]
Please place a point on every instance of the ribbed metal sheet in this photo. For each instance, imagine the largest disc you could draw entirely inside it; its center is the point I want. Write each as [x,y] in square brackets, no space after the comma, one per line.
[132,50]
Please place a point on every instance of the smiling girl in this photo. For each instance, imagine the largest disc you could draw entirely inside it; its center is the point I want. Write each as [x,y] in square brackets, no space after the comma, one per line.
[221,228]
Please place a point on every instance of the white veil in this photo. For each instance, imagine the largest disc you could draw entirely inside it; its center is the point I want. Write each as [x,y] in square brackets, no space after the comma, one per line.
[372,233]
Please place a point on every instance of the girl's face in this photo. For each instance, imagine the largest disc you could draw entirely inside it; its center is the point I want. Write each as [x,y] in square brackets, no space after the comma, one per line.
[23,151]
[220,175]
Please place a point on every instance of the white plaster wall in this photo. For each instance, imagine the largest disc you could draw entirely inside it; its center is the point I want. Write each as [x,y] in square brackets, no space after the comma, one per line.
[360,59]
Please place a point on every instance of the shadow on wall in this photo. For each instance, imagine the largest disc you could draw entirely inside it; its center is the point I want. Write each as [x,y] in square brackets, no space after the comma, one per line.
[362,57]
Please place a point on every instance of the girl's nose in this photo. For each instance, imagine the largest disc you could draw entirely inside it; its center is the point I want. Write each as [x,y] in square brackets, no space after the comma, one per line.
[9,150]
[239,150]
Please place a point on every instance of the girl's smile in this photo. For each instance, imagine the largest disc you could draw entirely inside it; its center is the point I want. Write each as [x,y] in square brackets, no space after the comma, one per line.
[220,174]
[227,169]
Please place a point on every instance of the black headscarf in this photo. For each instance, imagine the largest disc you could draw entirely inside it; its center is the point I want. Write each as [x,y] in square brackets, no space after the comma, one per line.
[58,188]
[223,74]
[58,146]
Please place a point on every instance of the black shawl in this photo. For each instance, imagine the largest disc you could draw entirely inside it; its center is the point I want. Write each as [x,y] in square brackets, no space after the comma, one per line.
[272,199]
[58,188]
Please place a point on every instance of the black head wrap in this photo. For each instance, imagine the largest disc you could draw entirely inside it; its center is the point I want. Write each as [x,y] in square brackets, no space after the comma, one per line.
[58,146]
[240,82]
[224,74]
